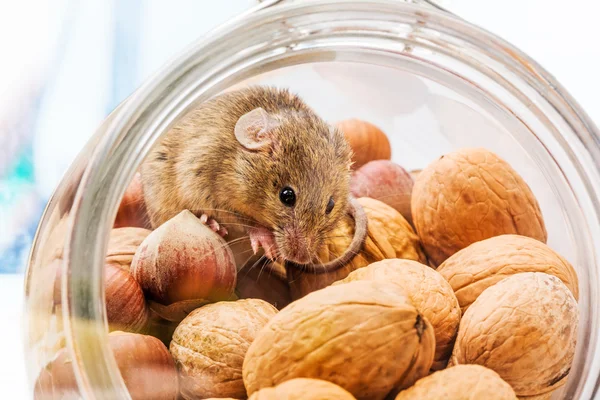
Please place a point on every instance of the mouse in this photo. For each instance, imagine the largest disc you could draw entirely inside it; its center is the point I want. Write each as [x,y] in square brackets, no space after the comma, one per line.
[262,169]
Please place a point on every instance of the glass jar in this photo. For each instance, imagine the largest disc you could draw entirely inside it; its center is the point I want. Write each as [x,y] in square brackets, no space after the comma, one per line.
[431,80]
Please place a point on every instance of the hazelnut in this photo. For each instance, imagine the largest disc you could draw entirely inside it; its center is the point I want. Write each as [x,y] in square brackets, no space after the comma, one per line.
[126,307]
[144,362]
[183,260]
[385,181]
[263,281]
[132,210]
[367,141]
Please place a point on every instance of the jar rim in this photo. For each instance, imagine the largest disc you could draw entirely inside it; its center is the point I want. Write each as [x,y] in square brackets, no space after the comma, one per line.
[166,95]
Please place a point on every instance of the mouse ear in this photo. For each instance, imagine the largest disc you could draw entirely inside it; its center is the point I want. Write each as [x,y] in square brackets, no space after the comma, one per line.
[253,129]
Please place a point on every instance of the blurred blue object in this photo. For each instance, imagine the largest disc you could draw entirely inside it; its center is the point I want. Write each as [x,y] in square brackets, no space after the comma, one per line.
[96,54]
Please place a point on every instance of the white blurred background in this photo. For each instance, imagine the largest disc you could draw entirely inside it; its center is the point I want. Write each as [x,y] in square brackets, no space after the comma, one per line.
[66,64]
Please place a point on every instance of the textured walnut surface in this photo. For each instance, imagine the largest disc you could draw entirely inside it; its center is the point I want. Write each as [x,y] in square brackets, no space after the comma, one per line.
[485,263]
[524,328]
[389,236]
[429,293]
[470,195]
[462,382]
[209,346]
[303,389]
[122,245]
[365,336]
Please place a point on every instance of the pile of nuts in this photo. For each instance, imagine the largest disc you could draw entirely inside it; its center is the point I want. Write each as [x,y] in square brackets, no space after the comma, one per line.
[454,294]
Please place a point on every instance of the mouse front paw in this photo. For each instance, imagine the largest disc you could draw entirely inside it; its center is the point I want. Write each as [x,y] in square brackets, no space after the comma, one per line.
[262,237]
[214,225]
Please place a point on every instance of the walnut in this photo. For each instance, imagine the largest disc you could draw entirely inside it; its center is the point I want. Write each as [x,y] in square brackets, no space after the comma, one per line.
[524,328]
[470,195]
[364,336]
[429,293]
[389,236]
[485,263]
[209,346]
[462,382]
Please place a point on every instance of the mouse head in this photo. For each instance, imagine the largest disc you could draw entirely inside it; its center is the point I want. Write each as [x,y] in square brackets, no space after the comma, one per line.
[297,173]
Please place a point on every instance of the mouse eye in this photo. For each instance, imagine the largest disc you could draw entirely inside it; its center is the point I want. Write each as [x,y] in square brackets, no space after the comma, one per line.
[287,196]
[330,205]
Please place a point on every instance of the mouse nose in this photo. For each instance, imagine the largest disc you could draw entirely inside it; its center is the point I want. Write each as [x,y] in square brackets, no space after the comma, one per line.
[297,247]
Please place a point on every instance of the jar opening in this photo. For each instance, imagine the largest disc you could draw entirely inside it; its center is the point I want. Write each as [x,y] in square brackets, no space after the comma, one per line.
[487,75]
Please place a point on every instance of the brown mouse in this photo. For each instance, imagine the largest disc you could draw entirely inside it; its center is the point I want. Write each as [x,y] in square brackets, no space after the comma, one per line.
[260,163]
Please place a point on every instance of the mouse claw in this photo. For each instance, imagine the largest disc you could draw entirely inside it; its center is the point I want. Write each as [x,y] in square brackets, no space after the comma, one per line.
[261,237]
[255,244]
[204,218]
[269,251]
[214,225]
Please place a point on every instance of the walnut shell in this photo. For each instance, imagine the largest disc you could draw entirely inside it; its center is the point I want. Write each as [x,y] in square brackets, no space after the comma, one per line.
[470,195]
[545,396]
[485,263]
[428,291]
[524,328]
[209,346]
[122,245]
[303,389]
[365,336]
[367,141]
[463,382]
[389,236]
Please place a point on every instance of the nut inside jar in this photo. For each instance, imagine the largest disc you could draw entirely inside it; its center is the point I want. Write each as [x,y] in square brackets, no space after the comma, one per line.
[255,183]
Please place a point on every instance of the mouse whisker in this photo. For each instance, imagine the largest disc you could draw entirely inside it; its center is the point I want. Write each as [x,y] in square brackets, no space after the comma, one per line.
[234,241]
[262,267]
[316,256]
[237,240]
[221,210]
[337,237]
[236,224]
[254,265]
[335,255]
[246,268]
[228,244]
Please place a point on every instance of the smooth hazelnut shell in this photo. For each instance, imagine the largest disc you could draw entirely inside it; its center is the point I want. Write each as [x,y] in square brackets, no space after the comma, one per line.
[385,181]
[132,209]
[146,366]
[126,307]
[183,260]
[367,141]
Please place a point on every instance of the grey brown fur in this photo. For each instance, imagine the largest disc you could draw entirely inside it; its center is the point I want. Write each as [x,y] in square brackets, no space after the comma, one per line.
[200,166]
